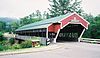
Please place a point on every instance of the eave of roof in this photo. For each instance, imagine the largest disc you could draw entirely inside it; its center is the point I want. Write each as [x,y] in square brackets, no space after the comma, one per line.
[35,27]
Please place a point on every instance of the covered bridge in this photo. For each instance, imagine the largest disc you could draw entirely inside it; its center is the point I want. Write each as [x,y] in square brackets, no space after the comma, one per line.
[69,27]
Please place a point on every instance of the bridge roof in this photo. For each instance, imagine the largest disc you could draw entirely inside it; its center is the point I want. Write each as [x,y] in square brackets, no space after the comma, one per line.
[47,22]
[43,24]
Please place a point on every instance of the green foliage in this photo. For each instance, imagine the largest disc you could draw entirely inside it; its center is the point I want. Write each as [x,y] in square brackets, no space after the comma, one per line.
[4,42]
[38,14]
[60,7]
[16,46]
[4,45]
[14,26]
[1,36]
[25,21]
[46,15]
[94,28]
[7,47]
[34,17]
[11,41]
[26,44]
[2,26]
[88,17]
[87,33]
[1,47]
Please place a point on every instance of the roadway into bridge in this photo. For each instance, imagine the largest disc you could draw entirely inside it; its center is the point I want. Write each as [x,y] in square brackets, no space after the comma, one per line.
[68,50]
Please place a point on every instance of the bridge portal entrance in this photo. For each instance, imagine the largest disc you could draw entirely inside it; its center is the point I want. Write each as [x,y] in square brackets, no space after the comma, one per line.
[71,32]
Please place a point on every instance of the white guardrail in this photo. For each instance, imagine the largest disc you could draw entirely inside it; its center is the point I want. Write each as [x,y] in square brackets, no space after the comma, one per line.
[89,40]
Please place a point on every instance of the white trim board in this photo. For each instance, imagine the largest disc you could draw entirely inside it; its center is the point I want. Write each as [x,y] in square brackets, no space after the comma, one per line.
[81,35]
[77,15]
[54,41]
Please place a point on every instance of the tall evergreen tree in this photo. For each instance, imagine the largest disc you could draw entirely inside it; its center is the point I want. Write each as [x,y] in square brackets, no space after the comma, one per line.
[46,15]
[2,26]
[60,7]
[38,14]
[34,17]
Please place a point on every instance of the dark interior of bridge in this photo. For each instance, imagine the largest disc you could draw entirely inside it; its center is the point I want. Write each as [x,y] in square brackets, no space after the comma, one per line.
[70,33]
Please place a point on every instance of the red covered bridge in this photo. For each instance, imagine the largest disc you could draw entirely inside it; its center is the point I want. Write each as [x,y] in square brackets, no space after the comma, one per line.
[69,27]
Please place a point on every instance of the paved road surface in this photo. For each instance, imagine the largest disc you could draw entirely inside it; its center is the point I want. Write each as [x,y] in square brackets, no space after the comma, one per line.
[68,50]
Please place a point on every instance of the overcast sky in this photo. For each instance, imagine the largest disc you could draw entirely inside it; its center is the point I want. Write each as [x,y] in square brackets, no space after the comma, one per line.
[21,8]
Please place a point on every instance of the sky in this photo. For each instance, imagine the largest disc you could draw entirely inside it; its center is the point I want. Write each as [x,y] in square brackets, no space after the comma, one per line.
[21,8]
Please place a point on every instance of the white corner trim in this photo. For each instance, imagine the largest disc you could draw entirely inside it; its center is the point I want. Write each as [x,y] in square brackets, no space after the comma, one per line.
[72,23]
[65,25]
[47,33]
[56,36]
[48,30]
[74,18]
[81,35]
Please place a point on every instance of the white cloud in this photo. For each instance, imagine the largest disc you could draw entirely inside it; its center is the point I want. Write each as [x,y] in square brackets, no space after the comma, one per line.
[91,6]
[21,8]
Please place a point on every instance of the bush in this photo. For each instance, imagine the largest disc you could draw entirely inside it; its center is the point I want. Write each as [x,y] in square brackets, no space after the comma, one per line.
[26,44]
[1,36]
[1,48]
[11,41]
[6,47]
[16,46]
[4,42]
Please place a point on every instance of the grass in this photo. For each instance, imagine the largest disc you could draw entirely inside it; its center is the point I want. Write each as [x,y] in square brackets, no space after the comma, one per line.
[23,49]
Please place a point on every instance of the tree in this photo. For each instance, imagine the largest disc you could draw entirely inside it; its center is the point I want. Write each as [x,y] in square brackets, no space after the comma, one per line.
[60,7]
[2,26]
[88,17]
[34,17]
[25,21]
[94,27]
[1,36]
[14,26]
[95,32]
[38,14]
[46,15]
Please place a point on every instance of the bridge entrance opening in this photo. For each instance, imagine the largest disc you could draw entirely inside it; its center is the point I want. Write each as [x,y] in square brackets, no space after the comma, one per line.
[71,33]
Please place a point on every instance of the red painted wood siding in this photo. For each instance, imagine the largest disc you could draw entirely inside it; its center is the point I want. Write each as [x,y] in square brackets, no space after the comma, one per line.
[68,19]
[57,27]
[51,28]
[54,28]
[81,20]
